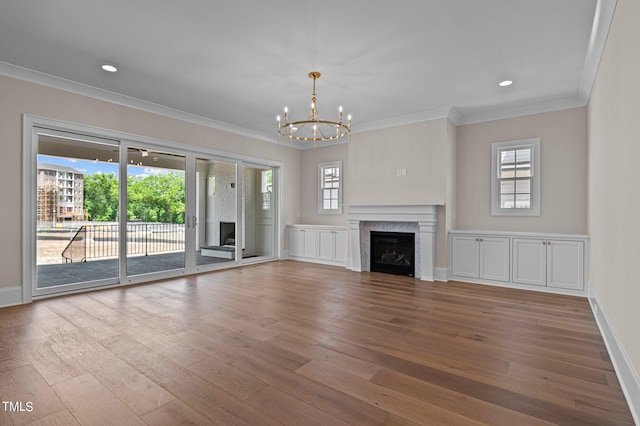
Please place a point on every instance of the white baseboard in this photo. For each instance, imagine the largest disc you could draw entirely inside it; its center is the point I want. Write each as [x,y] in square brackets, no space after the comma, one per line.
[628,377]
[442,274]
[10,296]
[509,284]
[319,261]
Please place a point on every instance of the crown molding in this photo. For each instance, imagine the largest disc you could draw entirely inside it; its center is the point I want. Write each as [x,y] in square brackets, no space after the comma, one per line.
[452,113]
[402,120]
[455,116]
[597,40]
[522,110]
[31,76]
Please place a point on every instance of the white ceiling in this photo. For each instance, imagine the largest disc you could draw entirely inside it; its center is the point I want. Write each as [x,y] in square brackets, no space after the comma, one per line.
[236,64]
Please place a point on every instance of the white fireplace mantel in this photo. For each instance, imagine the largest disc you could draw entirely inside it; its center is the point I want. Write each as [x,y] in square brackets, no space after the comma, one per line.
[424,215]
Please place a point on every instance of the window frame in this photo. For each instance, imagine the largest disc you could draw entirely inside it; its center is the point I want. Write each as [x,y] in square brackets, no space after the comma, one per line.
[496,148]
[321,169]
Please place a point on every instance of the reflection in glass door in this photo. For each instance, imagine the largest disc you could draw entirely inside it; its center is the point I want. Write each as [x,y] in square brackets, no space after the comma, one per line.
[216,208]
[155,226]
[77,239]
[257,211]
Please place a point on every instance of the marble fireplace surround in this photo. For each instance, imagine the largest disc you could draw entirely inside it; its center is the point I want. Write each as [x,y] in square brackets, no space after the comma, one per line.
[418,219]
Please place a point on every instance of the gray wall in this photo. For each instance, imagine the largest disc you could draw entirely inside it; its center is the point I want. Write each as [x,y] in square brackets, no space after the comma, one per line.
[614,153]
[563,169]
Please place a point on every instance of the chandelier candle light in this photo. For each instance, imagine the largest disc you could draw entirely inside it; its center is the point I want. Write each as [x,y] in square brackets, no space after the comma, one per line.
[314,128]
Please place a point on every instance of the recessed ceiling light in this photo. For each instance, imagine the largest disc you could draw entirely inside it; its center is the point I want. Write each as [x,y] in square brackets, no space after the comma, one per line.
[505,83]
[109,68]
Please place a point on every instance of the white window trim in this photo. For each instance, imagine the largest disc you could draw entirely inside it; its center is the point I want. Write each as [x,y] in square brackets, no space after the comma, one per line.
[321,167]
[534,143]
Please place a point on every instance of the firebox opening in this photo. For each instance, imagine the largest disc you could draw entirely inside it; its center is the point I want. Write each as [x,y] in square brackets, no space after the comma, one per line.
[227,233]
[393,253]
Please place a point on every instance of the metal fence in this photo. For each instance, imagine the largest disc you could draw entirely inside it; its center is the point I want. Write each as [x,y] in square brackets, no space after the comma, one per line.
[102,241]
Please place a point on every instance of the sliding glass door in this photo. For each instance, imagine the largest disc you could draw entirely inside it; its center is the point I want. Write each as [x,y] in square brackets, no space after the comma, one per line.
[232,226]
[77,238]
[155,226]
[215,218]
[110,210]
[258,211]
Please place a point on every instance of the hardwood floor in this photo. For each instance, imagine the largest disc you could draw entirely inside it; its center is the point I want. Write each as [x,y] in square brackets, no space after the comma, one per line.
[302,344]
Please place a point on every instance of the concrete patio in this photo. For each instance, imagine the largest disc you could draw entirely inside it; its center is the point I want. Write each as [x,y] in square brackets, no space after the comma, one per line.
[68,273]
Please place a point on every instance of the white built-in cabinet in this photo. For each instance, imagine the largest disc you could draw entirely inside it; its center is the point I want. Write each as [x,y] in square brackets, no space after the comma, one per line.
[548,262]
[318,243]
[480,256]
[332,245]
[302,243]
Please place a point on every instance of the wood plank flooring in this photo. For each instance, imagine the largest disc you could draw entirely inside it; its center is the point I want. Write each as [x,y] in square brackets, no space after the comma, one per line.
[295,343]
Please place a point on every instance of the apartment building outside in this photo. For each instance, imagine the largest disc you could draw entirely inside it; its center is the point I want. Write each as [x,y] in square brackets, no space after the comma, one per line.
[60,193]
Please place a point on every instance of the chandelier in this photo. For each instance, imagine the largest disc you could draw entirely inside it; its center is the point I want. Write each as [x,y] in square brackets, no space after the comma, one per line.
[314,128]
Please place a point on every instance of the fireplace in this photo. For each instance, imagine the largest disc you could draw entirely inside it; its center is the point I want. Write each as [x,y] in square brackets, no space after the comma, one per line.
[227,233]
[417,219]
[393,252]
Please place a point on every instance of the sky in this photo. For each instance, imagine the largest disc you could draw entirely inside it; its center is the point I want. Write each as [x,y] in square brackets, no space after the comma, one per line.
[88,167]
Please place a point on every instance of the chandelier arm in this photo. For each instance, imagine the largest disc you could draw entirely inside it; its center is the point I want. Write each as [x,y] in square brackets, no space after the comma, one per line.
[303,122]
[344,131]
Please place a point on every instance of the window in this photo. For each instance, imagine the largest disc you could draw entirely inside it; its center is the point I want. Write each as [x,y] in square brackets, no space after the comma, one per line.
[330,188]
[515,178]
[211,186]
[266,187]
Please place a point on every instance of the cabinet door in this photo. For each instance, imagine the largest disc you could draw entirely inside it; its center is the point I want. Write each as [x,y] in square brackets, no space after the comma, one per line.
[465,256]
[332,245]
[302,242]
[326,245]
[494,258]
[296,242]
[309,247]
[565,264]
[529,261]
[341,246]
